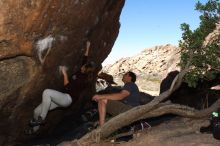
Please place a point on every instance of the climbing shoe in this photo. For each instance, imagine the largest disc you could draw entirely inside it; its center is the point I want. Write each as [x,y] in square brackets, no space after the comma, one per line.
[36,122]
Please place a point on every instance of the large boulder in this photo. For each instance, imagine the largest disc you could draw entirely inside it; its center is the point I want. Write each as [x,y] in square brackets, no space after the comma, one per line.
[200,97]
[38,36]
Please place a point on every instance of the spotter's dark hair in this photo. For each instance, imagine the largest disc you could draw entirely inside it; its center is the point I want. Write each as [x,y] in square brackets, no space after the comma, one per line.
[133,76]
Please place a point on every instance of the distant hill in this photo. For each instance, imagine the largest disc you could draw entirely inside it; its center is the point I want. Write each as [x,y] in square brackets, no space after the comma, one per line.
[151,66]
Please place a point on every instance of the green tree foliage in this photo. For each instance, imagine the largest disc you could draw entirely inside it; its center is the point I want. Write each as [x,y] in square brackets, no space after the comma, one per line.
[205,61]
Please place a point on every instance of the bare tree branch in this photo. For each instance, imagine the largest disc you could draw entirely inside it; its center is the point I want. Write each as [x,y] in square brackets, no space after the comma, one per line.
[181,110]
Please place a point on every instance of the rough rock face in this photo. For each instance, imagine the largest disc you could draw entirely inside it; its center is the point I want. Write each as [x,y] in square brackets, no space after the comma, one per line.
[157,60]
[38,36]
[151,66]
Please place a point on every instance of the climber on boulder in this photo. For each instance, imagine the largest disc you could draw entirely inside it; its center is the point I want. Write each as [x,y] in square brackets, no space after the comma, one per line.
[73,86]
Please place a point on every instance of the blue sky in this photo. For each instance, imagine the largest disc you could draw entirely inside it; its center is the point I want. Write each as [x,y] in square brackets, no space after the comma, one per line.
[147,23]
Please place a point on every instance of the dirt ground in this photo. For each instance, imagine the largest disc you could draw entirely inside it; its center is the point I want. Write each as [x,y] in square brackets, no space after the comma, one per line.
[178,132]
